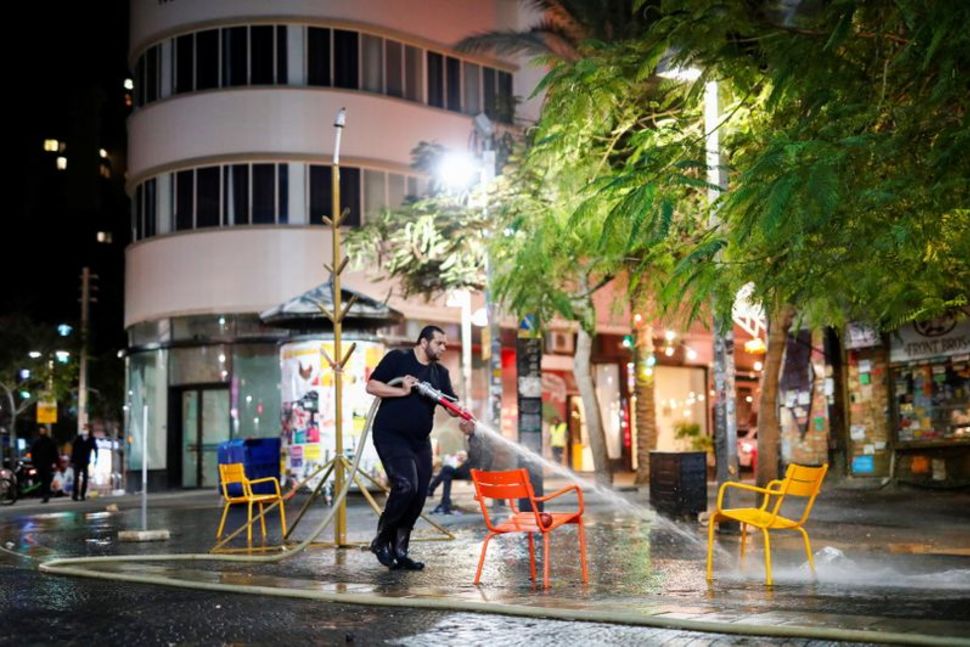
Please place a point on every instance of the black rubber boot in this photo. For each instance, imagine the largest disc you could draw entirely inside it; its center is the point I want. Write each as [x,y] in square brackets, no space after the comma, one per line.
[401,542]
[381,546]
[384,552]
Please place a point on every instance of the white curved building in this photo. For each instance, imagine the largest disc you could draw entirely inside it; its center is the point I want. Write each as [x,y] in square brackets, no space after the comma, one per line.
[230,143]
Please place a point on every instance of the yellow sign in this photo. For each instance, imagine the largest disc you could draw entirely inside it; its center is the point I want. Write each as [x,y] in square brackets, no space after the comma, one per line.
[46,412]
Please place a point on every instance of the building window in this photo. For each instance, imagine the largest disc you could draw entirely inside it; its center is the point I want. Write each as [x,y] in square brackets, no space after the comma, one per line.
[488,92]
[257,55]
[184,190]
[150,209]
[235,56]
[413,75]
[453,83]
[321,196]
[138,214]
[436,80]
[264,194]
[318,56]
[394,68]
[372,52]
[472,87]
[236,194]
[207,197]
[346,59]
[207,59]
[184,63]
[505,108]
[152,74]
[374,197]
[283,193]
[261,63]
[281,60]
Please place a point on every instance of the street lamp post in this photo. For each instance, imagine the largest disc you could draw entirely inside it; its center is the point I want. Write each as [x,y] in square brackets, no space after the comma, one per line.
[725,416]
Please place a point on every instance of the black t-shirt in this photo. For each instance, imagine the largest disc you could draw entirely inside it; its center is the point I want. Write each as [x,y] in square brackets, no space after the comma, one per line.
[410,417]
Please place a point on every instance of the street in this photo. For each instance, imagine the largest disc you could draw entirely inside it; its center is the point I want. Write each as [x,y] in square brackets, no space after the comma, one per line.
[873,575]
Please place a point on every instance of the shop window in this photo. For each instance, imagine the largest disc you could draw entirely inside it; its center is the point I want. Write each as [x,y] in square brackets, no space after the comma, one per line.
[932,401]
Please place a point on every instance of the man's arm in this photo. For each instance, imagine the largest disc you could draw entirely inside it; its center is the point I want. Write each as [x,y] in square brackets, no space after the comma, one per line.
[382,390]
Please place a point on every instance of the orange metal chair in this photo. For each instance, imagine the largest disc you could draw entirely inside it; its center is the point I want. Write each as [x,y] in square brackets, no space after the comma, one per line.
[799,481]
[512,485]
[234,474]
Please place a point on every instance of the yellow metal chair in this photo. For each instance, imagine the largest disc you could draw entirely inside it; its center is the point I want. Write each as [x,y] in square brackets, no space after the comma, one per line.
[799,481]
[233,476]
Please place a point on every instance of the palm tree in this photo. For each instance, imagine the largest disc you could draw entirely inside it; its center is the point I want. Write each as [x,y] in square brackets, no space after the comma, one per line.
[564,26]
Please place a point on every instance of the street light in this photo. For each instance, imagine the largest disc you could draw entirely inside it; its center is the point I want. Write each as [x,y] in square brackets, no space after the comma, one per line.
[460,172]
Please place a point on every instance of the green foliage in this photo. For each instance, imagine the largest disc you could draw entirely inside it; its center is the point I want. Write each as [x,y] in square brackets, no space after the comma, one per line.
[690,436]
[430,246]
[844,128]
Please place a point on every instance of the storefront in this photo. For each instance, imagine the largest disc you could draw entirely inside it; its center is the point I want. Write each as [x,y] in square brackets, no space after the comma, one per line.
[930,398]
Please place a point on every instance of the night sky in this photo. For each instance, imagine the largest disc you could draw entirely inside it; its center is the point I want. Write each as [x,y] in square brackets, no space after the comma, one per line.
[69,66]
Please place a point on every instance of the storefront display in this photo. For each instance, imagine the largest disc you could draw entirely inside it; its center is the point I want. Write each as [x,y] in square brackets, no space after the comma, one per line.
[933,401]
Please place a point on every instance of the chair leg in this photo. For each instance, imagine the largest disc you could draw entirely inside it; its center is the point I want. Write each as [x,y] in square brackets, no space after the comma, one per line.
[582,552]
[222,522]
[249,524]
[545,560]
[532,556]
[262,520]
[744,536]
[768,580]
[481,559]
[283,517]
[808,551]
[710,546]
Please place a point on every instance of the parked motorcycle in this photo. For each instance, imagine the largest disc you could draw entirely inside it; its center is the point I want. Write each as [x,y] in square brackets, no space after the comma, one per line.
[18,482]
[8,486]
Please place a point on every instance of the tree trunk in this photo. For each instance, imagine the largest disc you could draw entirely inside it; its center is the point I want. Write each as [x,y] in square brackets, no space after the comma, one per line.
[583,370]
[769,428]
[646,411]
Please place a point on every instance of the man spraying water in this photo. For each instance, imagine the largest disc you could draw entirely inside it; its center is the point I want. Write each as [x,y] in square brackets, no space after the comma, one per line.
[402,428]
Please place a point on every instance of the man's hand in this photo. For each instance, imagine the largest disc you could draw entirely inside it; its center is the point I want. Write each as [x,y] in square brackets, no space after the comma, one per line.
[467,427]
[408,383]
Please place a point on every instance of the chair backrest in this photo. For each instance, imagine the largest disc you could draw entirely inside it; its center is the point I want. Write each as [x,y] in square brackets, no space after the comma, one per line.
[509,485]
[233,479]
[801,481]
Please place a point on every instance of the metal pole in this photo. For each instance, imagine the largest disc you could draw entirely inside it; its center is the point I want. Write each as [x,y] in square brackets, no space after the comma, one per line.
[494,408]
[466,345]
[82,389]
[340,526]
[144,466]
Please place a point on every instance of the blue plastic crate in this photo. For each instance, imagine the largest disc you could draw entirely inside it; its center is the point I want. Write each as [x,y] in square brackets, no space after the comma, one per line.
[262,470]
[260,458]
[231,451]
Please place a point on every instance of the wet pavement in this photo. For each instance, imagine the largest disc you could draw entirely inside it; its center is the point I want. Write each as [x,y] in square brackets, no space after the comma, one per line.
[888,561]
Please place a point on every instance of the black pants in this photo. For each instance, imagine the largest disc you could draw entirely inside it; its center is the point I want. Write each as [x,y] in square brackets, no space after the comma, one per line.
[79,489]
[445,477]
[46,476]
[408,469]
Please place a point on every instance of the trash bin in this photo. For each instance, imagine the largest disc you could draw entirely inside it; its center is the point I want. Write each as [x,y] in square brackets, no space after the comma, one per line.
[678,483]
[260,458]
